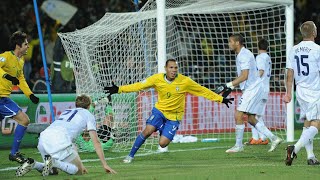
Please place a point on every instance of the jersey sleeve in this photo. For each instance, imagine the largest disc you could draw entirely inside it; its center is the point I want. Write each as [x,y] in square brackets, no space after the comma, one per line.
[2,63]
[261,65]
[198,90]
[91,122]
[244,62]
[289,60]
[145,84]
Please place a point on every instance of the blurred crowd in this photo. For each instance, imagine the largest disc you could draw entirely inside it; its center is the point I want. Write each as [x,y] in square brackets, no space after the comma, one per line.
[19,15]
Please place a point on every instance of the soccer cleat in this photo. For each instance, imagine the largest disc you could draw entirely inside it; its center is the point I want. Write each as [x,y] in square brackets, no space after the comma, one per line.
[162,150]
[252,142]
[127,159]
[275,143]
[313,161]
[235,149]
[265,142]
[25,167]
[290,155]
[54,171]
[47,165]
[18,157]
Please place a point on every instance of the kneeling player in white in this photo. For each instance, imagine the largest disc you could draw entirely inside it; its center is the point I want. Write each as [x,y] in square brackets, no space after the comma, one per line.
[56,142]
[252,99]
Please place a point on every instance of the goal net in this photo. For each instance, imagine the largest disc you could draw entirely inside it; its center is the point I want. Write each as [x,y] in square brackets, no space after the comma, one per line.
[122,47]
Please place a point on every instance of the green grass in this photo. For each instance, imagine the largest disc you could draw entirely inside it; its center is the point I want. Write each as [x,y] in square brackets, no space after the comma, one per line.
[188,161]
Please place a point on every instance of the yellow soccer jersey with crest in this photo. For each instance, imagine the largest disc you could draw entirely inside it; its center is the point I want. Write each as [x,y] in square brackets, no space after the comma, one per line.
[12,65]
[171,95]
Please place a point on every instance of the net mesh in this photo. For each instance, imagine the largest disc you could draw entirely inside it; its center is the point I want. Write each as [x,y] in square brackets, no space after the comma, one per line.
[122,47]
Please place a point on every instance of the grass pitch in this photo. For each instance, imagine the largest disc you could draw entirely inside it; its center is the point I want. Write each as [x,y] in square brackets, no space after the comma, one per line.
[186,161]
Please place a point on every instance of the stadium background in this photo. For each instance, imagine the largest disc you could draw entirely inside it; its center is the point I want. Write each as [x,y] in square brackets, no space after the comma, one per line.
[19,15]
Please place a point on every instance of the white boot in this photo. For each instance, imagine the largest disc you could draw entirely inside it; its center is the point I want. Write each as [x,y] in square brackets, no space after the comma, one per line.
[162,150]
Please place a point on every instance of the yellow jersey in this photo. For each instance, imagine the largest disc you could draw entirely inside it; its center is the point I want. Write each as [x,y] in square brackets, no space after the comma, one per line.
[12,65]
[171,95]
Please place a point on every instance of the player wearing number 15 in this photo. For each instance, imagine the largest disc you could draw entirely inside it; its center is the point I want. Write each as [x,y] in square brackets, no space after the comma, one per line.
[304,65]
[11,73]
[172,88]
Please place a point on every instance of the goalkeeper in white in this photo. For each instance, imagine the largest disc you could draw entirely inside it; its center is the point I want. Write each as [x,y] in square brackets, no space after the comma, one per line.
[56,142]
[304,66]
[253,96]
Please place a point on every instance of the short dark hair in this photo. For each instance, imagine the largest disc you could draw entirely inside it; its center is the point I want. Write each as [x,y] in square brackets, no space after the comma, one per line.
[17,38]
[83,101]
[238,37]
[263,44]
[170,60]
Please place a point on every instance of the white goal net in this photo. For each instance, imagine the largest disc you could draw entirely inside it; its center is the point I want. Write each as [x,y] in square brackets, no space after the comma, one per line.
[122,47]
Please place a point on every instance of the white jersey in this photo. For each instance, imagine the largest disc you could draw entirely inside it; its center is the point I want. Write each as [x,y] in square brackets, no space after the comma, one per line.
[245,60]
[75,121]
[264,63]
[304,60]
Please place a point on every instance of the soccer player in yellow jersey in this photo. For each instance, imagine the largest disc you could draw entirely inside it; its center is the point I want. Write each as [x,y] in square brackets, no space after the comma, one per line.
[172,88]
[11,73]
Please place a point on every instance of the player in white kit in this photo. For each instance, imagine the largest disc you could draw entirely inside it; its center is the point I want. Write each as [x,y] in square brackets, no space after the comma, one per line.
[264,66]
[56,142]
[304,66]
[253,96]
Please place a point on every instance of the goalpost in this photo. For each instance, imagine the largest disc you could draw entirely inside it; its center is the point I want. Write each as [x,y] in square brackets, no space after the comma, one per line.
[123,47]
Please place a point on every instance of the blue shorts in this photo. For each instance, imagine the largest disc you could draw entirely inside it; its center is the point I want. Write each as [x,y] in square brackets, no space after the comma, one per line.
[8,108]
[165,126]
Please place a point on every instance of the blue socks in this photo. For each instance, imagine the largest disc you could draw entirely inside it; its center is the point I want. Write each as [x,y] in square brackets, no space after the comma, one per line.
[18,135]
[137,144]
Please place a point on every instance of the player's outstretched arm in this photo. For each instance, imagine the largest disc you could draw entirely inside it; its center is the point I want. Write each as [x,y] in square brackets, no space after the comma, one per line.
[99,151]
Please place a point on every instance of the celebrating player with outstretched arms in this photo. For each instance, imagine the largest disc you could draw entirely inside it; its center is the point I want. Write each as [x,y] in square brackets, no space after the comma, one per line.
[172,88]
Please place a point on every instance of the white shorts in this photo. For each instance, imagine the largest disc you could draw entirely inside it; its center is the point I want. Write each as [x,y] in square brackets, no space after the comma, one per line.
[309,110]
[56,143]
[253,101]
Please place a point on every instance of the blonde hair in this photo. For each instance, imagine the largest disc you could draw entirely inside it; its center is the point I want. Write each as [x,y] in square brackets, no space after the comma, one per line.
[83,101]
[308,29]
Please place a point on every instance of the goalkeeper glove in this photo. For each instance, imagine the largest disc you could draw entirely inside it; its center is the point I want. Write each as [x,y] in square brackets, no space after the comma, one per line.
[227,101]
[111,89]
[34,99]
[226,92]
[224,87]
[14,80]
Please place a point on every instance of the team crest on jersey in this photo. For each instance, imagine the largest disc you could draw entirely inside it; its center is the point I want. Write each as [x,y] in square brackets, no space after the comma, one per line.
[2,59]
[177,88]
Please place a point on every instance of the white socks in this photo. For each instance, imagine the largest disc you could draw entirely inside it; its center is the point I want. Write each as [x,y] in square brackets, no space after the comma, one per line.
[38,166]
[306,137]
[66,167]
[262,136]
[264,130]
[309,146]
[239,134]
